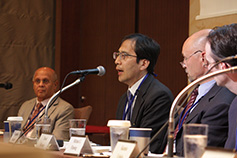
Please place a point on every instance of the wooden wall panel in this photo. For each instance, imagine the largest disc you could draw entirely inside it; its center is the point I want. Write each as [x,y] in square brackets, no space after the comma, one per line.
[167,23]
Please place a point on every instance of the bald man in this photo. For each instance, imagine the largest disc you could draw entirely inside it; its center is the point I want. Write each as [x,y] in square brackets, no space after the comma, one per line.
[212,102]
[45,84]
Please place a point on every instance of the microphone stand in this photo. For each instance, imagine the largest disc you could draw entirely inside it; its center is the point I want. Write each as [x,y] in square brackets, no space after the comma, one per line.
[55,96]
[180,96]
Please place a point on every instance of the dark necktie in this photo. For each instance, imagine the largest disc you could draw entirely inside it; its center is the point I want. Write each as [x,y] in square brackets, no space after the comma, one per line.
[31,121]
[129,96]
[187,108]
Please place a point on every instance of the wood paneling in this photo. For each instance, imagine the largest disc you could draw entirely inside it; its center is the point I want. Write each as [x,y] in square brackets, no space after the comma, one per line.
[167,23]
[91,30]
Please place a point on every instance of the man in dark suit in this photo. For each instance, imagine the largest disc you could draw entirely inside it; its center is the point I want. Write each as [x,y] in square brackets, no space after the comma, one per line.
[221,44]
[149,103]
[212,102]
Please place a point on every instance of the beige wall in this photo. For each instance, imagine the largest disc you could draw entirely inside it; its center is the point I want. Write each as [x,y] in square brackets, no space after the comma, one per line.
[196,25]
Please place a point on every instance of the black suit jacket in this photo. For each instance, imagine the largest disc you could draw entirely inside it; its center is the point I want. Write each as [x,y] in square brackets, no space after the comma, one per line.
[212,110]
[151,109]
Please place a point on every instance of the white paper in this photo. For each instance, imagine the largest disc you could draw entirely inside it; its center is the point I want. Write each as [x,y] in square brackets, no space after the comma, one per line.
[15,136]
[125,149]
[47,141]
[78,145]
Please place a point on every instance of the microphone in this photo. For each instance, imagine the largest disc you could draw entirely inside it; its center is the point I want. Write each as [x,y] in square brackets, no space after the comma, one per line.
[234,57]
[100,71]
[6,85]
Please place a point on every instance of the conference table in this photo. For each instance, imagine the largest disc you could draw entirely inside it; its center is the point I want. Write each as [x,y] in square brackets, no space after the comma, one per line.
[9,150]
[15,150]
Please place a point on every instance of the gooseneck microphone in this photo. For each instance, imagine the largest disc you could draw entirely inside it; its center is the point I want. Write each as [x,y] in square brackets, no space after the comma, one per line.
[6,85]
[100,71]
[222,60]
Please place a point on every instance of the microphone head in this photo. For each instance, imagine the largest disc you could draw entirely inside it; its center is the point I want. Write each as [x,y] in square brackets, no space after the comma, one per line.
[101,70]
[8,85]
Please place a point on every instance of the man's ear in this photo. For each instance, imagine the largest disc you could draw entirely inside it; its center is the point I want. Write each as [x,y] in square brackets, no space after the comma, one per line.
[144,64]
[56,84]
[204,60]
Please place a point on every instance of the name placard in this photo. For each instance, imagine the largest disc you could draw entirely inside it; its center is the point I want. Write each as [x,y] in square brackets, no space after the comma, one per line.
[15,136]
[78,145]
[47,142]
[125,149]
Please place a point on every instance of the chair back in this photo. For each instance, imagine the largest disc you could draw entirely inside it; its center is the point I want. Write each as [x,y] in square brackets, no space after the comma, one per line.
[83,112]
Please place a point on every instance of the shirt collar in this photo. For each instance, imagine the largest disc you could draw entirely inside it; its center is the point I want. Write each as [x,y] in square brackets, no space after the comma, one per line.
[204,88]
[135,86]
[44,102]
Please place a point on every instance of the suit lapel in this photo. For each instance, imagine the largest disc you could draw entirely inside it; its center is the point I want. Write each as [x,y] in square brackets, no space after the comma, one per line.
[140,97]
[31,105]
[203,102]
[53,107]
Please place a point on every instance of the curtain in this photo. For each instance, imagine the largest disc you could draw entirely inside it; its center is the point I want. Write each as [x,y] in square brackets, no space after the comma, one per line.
[26,43]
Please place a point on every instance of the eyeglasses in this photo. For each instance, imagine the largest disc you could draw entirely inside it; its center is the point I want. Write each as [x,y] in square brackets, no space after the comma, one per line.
[45,81]
[122,55]
[186,58]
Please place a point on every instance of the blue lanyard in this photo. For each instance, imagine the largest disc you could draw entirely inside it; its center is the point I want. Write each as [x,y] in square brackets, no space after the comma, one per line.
[181,121]
[125,112]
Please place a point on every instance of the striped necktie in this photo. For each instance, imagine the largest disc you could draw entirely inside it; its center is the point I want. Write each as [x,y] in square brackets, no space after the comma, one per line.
[32,119]
[187,108]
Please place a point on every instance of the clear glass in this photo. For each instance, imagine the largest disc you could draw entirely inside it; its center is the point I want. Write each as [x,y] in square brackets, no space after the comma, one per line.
[43,127]
[77,127]
[195,140]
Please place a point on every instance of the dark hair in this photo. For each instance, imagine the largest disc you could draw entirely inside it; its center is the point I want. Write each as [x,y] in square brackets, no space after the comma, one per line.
[223,42]
[145,48]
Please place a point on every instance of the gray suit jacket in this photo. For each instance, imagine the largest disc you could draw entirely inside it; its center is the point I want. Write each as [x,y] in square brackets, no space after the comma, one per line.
[151,110]
[59,113]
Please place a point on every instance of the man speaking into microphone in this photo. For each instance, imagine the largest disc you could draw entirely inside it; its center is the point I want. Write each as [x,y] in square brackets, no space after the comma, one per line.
[149,101]
[45,84]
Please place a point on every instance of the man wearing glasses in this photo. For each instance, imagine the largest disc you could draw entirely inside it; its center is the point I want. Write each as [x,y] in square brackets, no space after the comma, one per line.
[147,102]
[45,84]
[211,103]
